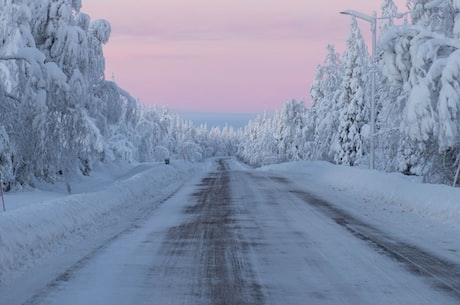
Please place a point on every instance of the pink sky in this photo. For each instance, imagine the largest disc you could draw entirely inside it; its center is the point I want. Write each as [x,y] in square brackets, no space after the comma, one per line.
[222,56]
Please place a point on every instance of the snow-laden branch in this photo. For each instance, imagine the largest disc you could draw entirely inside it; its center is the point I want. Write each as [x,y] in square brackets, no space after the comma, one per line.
[31,55]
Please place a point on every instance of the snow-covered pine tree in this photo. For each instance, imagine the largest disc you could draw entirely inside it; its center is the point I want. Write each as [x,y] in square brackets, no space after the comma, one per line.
[259,142]
[292,121]
[434,15]
[390,101]
[389,11]
[353,132]
[323,118]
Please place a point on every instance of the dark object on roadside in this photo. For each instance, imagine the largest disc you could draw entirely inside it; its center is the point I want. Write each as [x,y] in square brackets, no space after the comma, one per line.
[167,161]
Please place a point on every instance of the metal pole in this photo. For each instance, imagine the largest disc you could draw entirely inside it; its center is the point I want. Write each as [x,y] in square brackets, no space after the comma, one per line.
[374,59]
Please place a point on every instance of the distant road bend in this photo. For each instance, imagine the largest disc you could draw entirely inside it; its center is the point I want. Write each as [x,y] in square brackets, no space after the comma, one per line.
[250,237]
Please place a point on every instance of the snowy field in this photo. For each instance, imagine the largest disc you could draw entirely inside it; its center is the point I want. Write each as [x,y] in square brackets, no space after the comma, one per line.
[43,222]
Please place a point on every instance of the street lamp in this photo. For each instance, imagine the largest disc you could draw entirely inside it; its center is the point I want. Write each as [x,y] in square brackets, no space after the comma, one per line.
[373,21]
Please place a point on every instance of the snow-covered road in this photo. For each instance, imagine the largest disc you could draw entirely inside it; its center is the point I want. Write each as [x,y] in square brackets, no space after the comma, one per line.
[237,236]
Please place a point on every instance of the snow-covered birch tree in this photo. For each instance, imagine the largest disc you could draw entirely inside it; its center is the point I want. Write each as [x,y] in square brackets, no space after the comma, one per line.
[58,114]
[421,59]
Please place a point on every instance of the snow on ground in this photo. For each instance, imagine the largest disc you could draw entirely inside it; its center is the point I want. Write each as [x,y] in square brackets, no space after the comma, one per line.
[100,178]
[41,221]
[439,202]
[427,215]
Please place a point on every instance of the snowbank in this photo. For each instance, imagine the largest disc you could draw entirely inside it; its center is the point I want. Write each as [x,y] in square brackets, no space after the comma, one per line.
[439,202]
[30,232]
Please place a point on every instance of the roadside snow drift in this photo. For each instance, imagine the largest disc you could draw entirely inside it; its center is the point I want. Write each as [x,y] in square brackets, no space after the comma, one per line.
[28,233]
[438,202]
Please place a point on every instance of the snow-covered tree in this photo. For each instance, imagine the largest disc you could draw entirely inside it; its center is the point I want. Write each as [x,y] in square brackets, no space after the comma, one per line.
[290,124]
[275,138]
[58,114]
[259,142]
[389,11]
[434,15]
[449,104]
[324,113]
[353,129]
[98,34]
[6,162]
[420,60]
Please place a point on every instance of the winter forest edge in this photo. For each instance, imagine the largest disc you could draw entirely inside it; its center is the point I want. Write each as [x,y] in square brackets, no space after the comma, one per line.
[58,114]
[417,100]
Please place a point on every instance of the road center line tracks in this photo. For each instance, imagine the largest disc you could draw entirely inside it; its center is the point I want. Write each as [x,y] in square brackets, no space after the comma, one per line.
[209,237]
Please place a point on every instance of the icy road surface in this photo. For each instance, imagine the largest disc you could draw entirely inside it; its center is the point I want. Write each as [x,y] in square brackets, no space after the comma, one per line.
[239,237]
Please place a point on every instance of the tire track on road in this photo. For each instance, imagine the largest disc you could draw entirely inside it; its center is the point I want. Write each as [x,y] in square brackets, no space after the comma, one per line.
[442,273]
[224,275]
[81,263]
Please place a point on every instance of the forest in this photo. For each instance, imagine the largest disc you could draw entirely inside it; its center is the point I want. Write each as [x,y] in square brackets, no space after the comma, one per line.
[60,116]
[58,113]
[417,100]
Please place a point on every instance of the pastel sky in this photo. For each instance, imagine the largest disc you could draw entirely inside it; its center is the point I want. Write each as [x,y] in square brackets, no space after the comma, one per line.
[244,56]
